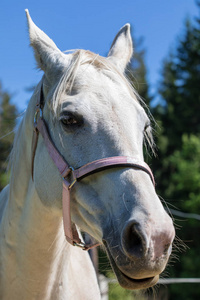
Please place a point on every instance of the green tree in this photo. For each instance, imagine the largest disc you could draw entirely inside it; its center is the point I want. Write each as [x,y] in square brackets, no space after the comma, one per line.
[178,167]
[8,113]
[185,188]
[186,175]
[179,91]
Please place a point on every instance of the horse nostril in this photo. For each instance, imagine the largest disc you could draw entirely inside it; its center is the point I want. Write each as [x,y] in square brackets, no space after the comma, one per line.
[134,241]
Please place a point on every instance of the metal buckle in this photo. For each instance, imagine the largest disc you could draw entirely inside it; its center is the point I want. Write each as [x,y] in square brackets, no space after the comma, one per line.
[38,110]
[80,245]
[74,181]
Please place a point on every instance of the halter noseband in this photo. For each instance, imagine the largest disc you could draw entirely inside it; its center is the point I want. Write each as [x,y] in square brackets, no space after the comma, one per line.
[67,171]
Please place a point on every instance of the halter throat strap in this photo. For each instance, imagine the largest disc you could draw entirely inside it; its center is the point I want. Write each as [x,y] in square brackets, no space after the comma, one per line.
[71,176]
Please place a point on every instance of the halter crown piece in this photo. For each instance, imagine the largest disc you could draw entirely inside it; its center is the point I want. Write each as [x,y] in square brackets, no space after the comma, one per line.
[67,171]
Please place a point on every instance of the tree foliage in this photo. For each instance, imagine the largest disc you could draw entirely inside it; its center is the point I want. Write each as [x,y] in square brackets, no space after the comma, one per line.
[178,166]
[186,176]
[8,113]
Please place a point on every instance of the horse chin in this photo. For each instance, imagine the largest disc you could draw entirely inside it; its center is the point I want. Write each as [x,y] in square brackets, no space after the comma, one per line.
[128,282]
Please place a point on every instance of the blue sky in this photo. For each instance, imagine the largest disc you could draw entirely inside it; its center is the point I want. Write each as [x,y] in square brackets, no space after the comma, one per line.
[85,24]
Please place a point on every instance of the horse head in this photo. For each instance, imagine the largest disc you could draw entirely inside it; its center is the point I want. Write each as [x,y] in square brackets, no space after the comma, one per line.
[92,113]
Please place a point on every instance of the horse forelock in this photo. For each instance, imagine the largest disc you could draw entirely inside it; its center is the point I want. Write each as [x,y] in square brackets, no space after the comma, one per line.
[68,82]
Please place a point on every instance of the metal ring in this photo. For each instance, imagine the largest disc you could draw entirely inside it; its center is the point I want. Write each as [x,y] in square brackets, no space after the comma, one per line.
[72,184]
[36,116]
[74,181]
[38,110]
[80,245]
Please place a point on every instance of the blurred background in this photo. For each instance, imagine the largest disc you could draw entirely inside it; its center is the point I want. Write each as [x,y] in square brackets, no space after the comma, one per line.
[165,70]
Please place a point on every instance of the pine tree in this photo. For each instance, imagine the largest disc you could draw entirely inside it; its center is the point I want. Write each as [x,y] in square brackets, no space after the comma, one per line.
[179,87]
[178,167]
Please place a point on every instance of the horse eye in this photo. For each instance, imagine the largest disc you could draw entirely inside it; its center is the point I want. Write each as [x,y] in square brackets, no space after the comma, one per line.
[69,120]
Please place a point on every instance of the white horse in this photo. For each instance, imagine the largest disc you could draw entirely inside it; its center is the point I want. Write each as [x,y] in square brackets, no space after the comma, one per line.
[91,113]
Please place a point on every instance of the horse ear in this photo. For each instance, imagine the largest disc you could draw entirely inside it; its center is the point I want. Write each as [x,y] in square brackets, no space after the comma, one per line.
[121,49]
[45,50]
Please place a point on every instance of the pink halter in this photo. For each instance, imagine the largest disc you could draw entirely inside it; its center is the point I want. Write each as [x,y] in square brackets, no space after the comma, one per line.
[65,170]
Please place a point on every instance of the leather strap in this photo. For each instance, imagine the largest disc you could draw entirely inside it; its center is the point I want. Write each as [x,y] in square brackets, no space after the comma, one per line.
[34,147]
[111,162]
[64,168]
[57,158]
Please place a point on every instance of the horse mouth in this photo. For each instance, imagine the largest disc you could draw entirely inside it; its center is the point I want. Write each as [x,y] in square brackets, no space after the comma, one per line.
[128,282]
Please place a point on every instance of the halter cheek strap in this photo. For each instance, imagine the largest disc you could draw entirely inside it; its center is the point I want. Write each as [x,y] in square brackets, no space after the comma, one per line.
[65,170]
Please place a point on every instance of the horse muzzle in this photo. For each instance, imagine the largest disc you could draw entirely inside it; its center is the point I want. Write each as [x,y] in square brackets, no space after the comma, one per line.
[141,255]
